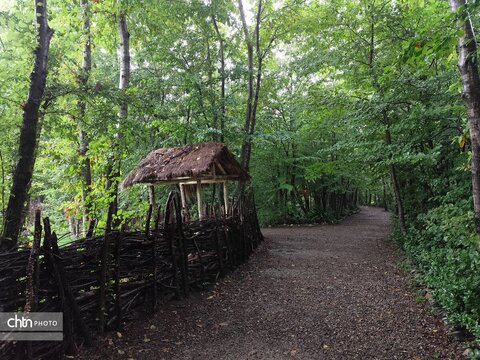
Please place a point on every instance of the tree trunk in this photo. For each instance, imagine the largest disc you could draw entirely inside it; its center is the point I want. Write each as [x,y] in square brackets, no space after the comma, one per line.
[396,187]
[253,118]
[124,57]
[467,65]
[22,175]
[247,142]
[384,188]
[211,91]
[222,79]
[86,171]
[388,135]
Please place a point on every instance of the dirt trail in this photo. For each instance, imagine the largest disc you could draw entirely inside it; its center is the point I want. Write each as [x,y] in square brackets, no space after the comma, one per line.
[319,292]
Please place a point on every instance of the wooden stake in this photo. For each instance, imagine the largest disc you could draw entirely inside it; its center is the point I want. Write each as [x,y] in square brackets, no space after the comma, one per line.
[225,197]
[31,291]
[77,315]
[118,298]
[156,235]
[102,296]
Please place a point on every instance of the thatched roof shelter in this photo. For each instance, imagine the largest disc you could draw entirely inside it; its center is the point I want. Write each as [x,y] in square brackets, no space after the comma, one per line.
[203,163]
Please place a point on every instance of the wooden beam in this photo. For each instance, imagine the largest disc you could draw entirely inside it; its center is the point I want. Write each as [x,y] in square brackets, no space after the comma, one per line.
[199,200]
[193,180]
[205,181]
[221,167]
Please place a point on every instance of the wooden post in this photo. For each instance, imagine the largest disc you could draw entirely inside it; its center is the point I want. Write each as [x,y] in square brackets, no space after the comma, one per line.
[147,226]
[154,260]
[218,247]
[91,227]
[53,268]
[181,243]
[151,193]
[199,200]
[31,291]
[147,229]
[225,197]
[118,299]
[102,296]
[182,196]
[77,315]
[169,232]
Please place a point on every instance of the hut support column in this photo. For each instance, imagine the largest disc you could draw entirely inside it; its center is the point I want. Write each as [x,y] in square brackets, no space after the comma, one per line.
[151,193]
[199,199]
[225,197]
[182,196]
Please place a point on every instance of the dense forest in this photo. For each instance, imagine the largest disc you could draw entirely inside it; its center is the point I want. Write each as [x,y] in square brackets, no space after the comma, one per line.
[328,104]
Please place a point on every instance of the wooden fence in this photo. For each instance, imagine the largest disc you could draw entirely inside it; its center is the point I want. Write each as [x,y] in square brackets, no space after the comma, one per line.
[97,281]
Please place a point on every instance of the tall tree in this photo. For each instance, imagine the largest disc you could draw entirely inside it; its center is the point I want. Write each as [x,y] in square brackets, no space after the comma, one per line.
[86,171]
[22,175]
[222,78]
[467,65]
[387,123]
[249,122]
[254,80]
[124,81]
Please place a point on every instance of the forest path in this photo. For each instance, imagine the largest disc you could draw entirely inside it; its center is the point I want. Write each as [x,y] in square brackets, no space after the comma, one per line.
[310,292]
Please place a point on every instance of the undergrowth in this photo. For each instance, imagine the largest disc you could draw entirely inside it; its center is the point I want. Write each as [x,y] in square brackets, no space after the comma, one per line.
[445,249]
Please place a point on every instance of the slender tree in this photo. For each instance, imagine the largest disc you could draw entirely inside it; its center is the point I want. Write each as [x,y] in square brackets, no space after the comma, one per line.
[247,142]
[86,172]
[254,79]
[22,175]
[113,172]
[387,123]
[467,65]
[222,78]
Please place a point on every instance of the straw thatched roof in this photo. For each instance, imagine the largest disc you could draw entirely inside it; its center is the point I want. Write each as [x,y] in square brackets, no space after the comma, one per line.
[206,162]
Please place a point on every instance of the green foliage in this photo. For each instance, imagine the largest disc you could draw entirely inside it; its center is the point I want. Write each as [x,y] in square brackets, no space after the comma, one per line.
[446,249]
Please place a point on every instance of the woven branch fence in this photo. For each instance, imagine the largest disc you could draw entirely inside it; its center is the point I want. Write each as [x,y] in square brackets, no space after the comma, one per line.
[98,281]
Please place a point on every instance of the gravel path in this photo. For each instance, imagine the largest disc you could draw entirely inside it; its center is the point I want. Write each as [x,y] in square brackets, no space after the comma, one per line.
[318,292]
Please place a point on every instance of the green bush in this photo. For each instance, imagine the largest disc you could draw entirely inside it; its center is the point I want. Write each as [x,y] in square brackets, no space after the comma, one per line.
[446,250]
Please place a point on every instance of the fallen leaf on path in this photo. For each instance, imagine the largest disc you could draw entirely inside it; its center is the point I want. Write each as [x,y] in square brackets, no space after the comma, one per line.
[467,352]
